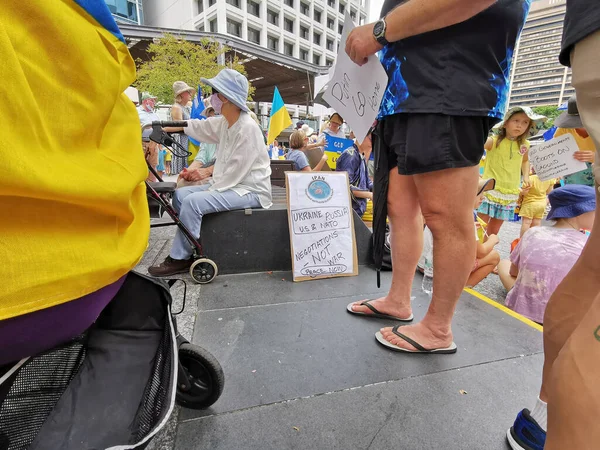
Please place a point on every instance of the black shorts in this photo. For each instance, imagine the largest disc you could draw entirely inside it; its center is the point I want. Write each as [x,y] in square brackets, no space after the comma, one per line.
[420,143]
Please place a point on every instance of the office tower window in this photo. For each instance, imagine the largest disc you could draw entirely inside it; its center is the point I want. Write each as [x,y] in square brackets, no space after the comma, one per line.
[330,44]
[304,8]
[304,32]
[288,48]
[317,38]
[213,26]
[272,17]
[235,3]
[317,59]
[254,35]
[303,54]
[288,24]
[253,8]
[317,16]
[234,27]
[273,43]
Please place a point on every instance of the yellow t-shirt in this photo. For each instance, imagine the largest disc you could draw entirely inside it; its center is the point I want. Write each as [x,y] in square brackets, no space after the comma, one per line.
[582,143]
[538,189]
[74,209]
[503,162]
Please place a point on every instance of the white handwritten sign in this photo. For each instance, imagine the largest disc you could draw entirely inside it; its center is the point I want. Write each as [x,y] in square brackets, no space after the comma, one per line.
[356,91]
[554,158]
[321,225]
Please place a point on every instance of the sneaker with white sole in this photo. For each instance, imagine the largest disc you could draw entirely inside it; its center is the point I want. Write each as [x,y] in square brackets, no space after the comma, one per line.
[526,434]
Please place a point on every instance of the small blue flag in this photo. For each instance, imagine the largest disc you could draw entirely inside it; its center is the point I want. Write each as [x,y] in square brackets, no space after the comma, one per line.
[549,134]
[196,113]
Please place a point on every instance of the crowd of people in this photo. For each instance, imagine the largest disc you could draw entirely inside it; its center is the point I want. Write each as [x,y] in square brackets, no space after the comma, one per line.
[431,133]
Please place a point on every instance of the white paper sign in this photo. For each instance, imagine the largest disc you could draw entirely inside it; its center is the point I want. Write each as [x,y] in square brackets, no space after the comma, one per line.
[321,225]
[356,91]
[554,158]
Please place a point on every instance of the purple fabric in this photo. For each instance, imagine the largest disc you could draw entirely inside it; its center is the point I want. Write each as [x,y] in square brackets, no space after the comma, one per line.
[33,333]
[543,256]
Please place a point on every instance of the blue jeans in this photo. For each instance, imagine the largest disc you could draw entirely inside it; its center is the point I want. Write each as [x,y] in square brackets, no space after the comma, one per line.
[192,202]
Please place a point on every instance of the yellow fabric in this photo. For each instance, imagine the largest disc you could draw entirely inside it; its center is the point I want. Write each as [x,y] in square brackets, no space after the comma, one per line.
[503,162]
[534,203]
[280,120]
[193,149]
[74,209]
[168,156]
[582,143]
[481,229]
[368,215]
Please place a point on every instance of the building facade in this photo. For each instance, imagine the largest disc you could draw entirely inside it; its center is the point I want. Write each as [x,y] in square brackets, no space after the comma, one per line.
[309,30]
[538,78]
[127,11]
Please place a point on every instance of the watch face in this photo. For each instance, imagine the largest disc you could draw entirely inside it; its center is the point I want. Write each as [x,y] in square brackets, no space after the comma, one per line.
[378,28]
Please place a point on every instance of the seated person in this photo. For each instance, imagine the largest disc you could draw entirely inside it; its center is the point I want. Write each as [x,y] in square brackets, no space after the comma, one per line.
[486,258]
[545,255]
[354,161]
[150,151]
[241,173]
[297,155]
[201,168]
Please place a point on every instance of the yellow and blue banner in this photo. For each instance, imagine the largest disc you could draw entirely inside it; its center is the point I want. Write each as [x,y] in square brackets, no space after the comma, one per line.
[280,118]
[334,147]
[76,215]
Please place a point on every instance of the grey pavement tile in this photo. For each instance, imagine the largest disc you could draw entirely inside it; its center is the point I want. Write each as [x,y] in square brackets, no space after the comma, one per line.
[423,412]
[276,352]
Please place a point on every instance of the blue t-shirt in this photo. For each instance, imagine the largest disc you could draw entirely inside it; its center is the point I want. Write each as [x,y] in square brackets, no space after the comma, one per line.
[299,158]
[460,70]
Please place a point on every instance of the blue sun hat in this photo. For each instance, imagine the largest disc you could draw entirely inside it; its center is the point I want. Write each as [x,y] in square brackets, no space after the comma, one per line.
[232,85]
[571,201]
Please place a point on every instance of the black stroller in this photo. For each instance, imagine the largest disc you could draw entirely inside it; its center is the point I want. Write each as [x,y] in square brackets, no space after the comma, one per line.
[114,386]
[203,270]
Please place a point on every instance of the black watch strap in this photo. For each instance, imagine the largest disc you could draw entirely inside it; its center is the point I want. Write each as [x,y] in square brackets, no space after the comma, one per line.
[379,31]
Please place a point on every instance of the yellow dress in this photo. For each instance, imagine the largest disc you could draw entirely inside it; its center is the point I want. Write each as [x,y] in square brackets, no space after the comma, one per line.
[75,215]
[503,163]
[534,203]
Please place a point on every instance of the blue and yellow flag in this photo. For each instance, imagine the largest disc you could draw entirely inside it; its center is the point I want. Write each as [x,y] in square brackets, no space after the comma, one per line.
[75,215]
[280,118]
[334,147]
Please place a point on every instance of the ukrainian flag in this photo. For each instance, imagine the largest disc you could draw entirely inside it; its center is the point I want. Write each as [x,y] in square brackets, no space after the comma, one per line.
[74,210]
[280,118]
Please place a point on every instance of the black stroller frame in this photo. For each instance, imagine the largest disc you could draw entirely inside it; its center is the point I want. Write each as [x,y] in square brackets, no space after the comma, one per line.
[114,386]
[203,270]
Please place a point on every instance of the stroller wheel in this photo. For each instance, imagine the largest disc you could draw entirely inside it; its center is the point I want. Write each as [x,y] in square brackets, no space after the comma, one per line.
[204,375]
[203,270]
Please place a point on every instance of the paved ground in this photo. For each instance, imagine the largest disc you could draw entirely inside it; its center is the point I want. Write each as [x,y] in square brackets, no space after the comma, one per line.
[301,373]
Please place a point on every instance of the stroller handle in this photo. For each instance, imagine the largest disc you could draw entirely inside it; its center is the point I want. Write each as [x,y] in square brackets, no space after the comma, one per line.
[169,123]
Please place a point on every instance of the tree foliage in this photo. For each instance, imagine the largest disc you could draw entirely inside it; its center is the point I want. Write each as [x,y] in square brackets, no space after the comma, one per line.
[173,59]
[551,112]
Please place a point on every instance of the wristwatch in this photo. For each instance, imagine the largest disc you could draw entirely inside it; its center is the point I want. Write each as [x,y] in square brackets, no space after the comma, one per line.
[379,31]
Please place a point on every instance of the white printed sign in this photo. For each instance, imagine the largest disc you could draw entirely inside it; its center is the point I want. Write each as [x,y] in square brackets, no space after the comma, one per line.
[321,225]
[356,91]
[554,158]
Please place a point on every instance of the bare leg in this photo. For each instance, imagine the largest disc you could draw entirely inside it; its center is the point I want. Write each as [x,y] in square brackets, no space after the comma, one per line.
[504,271]
[407,243]
[449,216]
[486,265]
[536,222]
[494,226]
[573,394]
[525,225]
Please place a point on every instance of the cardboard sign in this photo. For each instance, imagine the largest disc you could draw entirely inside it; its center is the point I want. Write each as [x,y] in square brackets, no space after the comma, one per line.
[334,147]
[321,225]
[554,158]
[356,91]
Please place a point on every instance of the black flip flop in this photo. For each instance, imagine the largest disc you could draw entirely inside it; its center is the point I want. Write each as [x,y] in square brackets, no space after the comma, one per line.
[376,313]
[419,348]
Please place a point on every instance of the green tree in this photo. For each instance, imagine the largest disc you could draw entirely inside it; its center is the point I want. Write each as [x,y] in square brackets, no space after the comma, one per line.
[174,59]
[551,112]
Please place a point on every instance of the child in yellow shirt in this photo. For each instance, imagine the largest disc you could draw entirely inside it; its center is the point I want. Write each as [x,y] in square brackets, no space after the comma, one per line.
[534,202]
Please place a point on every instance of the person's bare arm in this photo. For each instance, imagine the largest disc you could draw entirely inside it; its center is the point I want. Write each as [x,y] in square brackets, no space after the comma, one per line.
[307,169]
[176,114]
[410,19]
[513,271]
[363,194]
[489,144]
[525,168]
[318,144]
[487,247]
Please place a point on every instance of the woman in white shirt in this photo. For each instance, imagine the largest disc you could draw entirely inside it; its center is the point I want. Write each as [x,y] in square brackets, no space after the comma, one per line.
[242,171]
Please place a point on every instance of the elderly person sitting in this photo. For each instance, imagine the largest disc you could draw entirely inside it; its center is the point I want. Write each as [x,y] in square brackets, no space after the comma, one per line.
[241,175]
[545,255]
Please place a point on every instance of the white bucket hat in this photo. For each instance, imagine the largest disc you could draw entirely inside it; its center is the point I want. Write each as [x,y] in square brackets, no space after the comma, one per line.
[232,85]
[179,87]
[307,130]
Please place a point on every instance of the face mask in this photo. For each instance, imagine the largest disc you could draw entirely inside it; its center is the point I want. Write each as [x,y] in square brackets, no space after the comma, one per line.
[216,103]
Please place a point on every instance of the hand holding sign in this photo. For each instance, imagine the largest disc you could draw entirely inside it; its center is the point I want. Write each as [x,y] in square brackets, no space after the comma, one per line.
[356,91]
[334,147]
[555,158]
